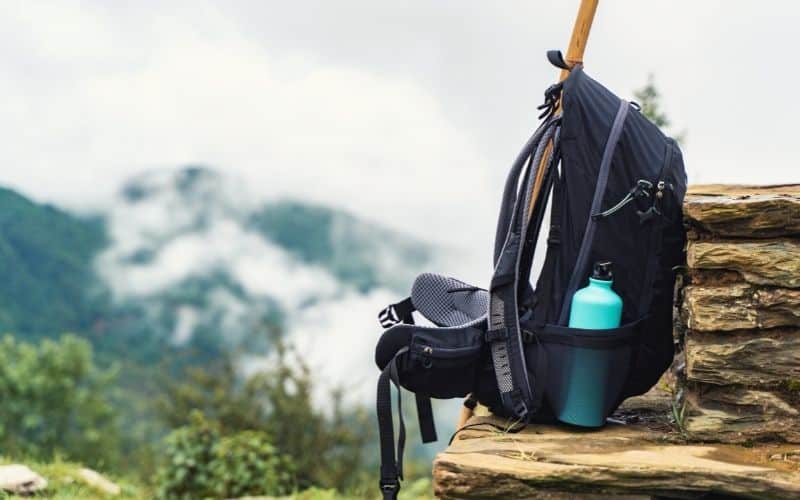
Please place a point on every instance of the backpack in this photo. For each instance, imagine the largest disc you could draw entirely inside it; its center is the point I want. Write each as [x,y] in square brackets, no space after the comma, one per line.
[617,185]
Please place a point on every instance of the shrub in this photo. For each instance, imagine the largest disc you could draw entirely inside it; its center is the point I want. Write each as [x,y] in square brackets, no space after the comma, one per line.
[327,448]
[247,464]
[202,463]
[188,452]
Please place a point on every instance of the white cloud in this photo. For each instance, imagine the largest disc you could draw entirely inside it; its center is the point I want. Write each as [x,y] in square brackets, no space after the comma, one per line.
[194,233]
[285,122]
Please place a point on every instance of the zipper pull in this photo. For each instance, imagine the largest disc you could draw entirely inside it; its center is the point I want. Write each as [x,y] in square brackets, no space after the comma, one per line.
[654,210]
[640,190]
[427,362]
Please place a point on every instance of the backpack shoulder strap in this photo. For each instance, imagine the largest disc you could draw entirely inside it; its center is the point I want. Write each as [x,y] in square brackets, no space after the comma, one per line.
[503,334]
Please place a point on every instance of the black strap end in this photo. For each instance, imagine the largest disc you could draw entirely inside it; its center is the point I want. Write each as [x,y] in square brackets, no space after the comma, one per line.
[389,488]
[427,427]
[557,59]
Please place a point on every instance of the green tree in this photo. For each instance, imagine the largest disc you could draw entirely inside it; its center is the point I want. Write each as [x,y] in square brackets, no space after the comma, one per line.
[327,448]
[649,99]
[56,401]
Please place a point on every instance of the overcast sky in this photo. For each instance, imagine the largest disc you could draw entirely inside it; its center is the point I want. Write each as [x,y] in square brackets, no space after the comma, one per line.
[406,112]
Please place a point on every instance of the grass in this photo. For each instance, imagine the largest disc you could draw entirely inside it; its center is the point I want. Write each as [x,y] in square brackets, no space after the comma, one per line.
[679,415]
[64,482]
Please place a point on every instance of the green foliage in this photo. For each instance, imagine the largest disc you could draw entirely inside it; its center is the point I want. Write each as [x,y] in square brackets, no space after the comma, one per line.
[46,260]
[202,463]
[55,400]
[649,99]
[188,451]
[64,482]
[248,464]
[327,448]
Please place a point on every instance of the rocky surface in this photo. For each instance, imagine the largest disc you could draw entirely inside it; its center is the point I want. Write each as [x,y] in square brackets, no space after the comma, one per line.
[739,306]
[744,211]
[99,482]
[631,460]
[756,358]
[20,480]
[768,262]
[738,320]
[740,414]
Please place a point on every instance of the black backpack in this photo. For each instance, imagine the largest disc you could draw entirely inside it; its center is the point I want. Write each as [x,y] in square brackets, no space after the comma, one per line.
[617,185]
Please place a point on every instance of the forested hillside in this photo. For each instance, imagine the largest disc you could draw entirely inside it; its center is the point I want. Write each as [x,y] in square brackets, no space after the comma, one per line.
[169,296]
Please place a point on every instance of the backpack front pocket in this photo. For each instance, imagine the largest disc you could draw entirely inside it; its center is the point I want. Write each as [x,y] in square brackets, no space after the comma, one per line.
[442,367]
[585,370]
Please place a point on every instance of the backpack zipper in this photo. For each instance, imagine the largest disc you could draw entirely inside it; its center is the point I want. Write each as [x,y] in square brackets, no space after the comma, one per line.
[445,353]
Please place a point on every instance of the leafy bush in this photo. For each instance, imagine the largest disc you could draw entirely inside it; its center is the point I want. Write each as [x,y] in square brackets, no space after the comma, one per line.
[247,464]
[201,463]
[56,401]
[327,448]
[188,452]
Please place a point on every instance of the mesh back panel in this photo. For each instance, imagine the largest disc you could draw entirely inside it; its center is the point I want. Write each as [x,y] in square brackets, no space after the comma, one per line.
[447,301]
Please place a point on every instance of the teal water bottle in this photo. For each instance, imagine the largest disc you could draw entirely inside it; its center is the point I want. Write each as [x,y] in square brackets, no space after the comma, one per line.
[596,307]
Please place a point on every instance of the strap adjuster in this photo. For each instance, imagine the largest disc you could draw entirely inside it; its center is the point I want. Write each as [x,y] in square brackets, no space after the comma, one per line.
[527,336]
[496,335]
[390,488]
[394,314]
[520,408]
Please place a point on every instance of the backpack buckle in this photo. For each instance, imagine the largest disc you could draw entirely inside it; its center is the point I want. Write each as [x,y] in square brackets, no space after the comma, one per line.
[390,488]
[527,336]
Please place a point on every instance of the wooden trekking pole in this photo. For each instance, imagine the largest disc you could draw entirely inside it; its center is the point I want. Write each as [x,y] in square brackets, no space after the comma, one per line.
[575,50]
[577,45]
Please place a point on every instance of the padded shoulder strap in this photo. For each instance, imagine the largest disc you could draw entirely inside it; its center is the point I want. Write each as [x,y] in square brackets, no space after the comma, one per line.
[504,334]
[511,188]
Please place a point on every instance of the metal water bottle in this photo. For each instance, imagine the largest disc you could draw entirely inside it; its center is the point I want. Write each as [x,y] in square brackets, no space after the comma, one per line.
[595,307]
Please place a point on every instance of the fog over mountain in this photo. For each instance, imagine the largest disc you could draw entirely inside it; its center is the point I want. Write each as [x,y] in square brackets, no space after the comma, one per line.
[185,259]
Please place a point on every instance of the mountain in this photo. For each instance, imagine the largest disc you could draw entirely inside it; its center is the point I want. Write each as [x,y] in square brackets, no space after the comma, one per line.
[182,261]
[46,259]
[358,253]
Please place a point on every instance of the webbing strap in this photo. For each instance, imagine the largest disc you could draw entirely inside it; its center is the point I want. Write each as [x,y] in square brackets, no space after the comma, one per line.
[544,291]
[535,223]
[397,313]
[580,271]
[427,427]
[391,461]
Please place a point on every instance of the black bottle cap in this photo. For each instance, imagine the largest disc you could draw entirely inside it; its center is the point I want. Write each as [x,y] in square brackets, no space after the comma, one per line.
[602,271]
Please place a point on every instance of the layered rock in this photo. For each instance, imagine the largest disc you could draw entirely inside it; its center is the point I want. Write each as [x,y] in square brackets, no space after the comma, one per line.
[739,317]
[632,461]
[744,211]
